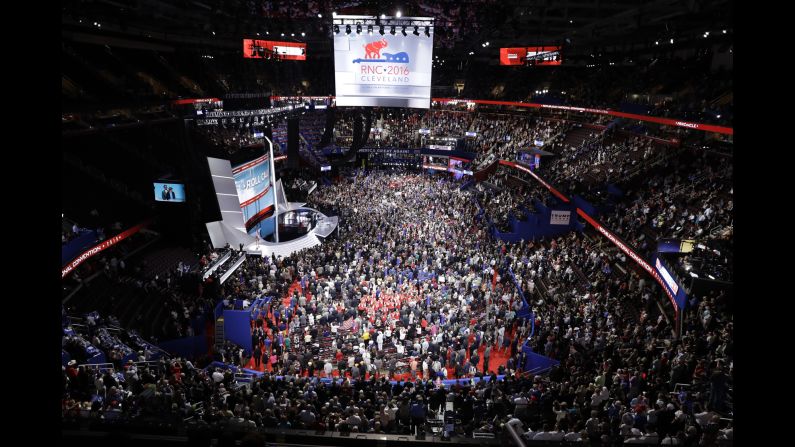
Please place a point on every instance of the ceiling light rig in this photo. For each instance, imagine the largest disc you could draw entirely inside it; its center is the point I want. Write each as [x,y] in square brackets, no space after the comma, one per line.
[372,24]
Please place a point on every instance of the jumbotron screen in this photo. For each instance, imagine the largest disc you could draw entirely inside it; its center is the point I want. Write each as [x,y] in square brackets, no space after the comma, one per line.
[263,49]
[531,56]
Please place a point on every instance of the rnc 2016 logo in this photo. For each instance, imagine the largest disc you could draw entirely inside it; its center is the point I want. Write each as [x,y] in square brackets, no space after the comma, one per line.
[377,66]
[372,53]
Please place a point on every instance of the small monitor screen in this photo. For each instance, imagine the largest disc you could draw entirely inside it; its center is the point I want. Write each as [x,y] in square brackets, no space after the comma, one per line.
[169,192]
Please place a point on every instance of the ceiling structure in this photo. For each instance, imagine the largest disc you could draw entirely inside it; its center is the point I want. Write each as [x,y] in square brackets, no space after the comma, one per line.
[583,27]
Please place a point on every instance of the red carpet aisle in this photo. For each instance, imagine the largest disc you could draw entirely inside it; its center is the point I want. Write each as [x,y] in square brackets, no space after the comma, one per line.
[294,287]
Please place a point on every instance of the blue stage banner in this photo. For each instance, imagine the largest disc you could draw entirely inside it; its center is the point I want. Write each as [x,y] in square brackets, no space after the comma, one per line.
[254,185]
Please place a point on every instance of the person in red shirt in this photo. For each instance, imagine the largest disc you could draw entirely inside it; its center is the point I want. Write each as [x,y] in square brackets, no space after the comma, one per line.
[71,371]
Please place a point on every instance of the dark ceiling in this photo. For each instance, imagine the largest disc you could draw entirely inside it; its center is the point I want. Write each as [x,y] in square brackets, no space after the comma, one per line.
[582,26]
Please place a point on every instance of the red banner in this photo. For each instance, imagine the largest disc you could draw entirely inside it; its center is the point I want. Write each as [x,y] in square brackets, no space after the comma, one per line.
[521,167]
[99,248]
[262,49]
[180,102]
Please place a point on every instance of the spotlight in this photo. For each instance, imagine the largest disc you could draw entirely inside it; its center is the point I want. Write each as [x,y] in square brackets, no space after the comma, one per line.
[416,30]
[672,41]
[392,30]
[383,16]
[370,29]
[303,34]
[358,29]
[381,30]
[427,31]
[657,42]
[347,29]
[398,14]
[404,30]
[319,16]
[336,29]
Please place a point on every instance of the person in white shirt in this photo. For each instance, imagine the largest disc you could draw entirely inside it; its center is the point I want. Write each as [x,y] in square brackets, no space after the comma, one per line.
[218,376]
[328,368]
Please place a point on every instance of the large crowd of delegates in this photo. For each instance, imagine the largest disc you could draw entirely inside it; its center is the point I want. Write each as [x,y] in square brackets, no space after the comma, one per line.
[390,298]
[408,289]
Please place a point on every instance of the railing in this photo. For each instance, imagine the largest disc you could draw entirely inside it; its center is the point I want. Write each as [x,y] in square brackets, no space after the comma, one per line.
[102,367]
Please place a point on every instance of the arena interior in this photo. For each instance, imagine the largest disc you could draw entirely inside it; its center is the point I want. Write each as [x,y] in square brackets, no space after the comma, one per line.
[346,223]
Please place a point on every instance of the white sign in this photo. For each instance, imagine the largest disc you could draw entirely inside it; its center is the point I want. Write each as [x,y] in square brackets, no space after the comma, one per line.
[383,71]
[560,217]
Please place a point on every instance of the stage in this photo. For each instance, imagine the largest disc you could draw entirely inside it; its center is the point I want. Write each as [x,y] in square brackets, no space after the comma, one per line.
[313,235]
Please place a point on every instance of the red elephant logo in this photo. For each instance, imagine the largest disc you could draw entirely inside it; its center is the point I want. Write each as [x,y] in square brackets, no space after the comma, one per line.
[373,49]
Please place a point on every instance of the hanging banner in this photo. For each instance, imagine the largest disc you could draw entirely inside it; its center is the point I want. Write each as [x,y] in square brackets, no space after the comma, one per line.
[383,70]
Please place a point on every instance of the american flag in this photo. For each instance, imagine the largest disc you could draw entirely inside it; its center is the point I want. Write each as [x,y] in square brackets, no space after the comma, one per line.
[347,324]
